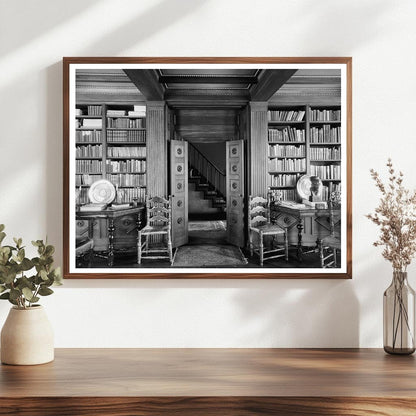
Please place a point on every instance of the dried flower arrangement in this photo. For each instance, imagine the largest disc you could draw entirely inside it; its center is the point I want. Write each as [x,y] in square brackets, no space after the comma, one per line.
[396,216]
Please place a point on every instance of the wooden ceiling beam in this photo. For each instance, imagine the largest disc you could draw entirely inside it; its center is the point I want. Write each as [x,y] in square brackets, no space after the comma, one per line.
[207,79]
[269,81]
[146,80]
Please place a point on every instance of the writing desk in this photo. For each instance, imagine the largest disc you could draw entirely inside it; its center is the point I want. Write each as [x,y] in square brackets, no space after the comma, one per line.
[129,220]
[312,224]
[212,382]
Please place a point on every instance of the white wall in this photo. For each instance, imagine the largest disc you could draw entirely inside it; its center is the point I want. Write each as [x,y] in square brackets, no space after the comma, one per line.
[380,35]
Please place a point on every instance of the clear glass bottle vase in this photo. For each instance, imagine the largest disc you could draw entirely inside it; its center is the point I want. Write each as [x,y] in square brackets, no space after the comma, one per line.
[399,316]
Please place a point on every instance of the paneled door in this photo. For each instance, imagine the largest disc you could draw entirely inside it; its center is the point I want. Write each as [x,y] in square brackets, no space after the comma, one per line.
[235,192]
[179,191]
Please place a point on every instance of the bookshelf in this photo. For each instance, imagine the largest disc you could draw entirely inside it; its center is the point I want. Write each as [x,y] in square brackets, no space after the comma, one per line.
[286,148]
[111,144]
[304,140]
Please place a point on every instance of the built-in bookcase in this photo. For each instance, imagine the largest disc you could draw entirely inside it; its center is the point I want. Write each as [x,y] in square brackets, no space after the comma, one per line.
[111,144]
[304,140]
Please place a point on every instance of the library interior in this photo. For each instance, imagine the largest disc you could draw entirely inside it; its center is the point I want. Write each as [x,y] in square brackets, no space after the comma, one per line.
[207,167]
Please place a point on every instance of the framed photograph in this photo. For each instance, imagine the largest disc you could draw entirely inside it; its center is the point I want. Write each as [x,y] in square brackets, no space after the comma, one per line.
[207,167]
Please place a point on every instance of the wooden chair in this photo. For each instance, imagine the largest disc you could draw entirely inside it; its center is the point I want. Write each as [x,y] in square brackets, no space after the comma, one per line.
[158,227]
[330,245]
[260,227]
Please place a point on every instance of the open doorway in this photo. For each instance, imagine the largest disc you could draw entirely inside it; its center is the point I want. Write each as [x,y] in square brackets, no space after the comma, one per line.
[207,201]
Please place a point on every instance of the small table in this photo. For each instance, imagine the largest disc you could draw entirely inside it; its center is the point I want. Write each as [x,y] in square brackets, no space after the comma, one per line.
[111,214]
[288,217]
[196,382]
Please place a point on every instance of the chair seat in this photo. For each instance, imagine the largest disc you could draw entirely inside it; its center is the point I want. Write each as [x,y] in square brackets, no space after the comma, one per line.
[332,241]
[268,229]
[155,229]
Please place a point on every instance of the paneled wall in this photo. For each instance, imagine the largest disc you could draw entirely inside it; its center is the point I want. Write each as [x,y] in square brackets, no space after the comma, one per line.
[156,148]
[257,149]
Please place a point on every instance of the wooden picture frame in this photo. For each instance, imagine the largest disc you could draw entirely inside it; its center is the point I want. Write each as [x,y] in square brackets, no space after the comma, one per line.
[290,137]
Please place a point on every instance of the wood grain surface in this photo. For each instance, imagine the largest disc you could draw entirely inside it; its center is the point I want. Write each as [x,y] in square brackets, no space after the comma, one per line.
[212,381]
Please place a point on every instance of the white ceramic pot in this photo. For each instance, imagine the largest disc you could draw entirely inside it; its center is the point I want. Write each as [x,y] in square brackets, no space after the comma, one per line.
[27,337]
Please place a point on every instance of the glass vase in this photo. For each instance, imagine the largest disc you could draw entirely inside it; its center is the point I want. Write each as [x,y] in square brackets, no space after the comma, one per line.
[399,316]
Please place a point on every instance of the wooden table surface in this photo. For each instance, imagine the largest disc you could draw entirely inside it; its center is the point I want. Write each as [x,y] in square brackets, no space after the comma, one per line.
[212,381]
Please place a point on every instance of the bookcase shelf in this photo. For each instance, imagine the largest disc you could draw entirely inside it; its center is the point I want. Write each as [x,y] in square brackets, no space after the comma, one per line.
[307,138]
[110,139]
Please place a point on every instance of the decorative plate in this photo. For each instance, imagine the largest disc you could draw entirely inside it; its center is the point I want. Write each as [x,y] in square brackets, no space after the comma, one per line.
[102,192]
[303,186]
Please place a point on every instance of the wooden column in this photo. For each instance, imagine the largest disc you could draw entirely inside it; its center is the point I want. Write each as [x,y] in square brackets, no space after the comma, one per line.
[257,149]
[156,148]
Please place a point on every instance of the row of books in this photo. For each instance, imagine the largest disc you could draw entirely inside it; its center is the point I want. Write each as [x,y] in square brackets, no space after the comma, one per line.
[325,134]
[91,123]
[289,165]
[326,171]
[127,179]
[326,191]
[131,136]
[89,151]
[286,150]
[94,110]
[324,115]
[130,194]
[285,115]
[126,166]
[88,166]
[325,153]
[86,179]
[116,151]
[286,134]
[126,123]
[92,136]
[283,180]
[285,195]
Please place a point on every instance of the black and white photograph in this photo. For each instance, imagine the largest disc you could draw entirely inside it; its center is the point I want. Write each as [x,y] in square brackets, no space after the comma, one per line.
[207,169]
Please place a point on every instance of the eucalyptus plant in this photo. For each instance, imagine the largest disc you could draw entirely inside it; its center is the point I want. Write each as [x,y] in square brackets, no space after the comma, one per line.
[24,280]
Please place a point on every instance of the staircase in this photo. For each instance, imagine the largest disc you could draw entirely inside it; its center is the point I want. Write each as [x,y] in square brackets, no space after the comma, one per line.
[206,190]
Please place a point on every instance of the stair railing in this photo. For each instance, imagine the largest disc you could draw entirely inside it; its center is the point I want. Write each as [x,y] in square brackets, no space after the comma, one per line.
[213,175]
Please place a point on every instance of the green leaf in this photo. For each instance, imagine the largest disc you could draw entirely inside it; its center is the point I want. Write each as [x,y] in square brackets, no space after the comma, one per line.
[18,242]
[2,289]
[28,294]
[49,250]
[26,264]
[2,227]
[45,291]
[57,276]
[9,277]
[5,295]
[24,282]
[21,254]
[2,236]
[15,294]
[43,275]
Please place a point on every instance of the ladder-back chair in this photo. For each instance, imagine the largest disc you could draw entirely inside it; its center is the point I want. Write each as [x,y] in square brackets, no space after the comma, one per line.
[157,229]
[260,227]
[329,246]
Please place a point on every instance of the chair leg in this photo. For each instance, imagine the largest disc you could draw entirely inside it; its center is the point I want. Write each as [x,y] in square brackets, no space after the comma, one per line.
[170,249]
[90,257]
[139,248]
[321,254]
[286,247]
[334,253]
[250,238]
[261,248]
